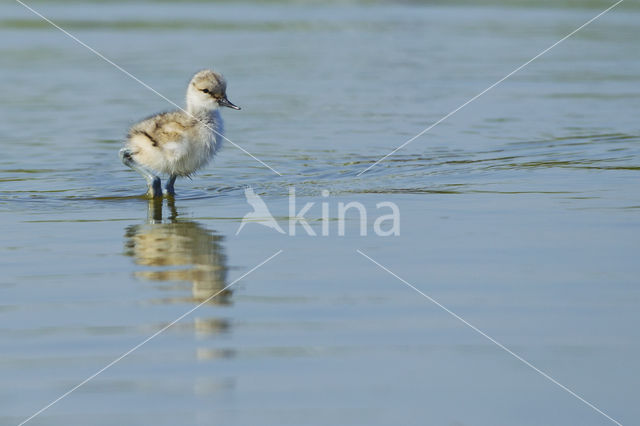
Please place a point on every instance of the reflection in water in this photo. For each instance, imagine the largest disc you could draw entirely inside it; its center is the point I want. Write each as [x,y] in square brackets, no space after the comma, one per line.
[180,251]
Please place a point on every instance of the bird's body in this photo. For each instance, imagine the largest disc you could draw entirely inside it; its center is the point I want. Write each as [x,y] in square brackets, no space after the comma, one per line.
[180,142]
[174,143]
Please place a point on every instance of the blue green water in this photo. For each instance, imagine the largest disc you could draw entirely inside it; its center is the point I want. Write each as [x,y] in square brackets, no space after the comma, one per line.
[520,213]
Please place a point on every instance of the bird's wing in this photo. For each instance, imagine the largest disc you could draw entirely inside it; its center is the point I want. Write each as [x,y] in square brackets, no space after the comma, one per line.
[163,129]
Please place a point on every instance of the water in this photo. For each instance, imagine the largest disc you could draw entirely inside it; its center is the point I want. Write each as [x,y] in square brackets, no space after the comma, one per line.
[519,213]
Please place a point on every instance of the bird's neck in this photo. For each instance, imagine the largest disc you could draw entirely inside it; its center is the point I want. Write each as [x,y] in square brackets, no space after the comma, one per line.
[202,113]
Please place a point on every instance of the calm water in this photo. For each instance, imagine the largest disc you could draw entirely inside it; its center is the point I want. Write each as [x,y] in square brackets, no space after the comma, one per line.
[520,213]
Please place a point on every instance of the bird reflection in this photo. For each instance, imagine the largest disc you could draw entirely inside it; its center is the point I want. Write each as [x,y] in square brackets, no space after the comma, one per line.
[180,251]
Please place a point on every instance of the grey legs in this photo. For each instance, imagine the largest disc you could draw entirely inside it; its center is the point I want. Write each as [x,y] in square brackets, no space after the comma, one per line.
[153,181]
[168,187]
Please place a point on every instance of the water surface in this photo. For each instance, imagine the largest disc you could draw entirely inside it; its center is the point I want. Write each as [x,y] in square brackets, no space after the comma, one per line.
[519,213]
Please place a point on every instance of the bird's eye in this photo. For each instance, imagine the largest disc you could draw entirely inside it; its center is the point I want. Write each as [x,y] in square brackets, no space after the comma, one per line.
[205,90]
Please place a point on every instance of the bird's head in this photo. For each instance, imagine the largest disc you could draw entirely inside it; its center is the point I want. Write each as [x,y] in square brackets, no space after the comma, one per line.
[208,90]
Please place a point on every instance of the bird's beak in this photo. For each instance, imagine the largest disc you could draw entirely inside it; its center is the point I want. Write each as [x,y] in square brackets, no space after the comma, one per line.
[225,102]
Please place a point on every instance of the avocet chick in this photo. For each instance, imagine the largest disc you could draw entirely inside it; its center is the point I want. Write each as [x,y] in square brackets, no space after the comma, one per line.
[180,142]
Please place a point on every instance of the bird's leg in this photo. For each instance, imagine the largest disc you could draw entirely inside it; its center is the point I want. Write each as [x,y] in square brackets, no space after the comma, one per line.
[155,187]
[168,187]
[153,181]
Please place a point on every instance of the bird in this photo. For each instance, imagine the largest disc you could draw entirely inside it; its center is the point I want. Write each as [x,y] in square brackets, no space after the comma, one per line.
[177,143]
